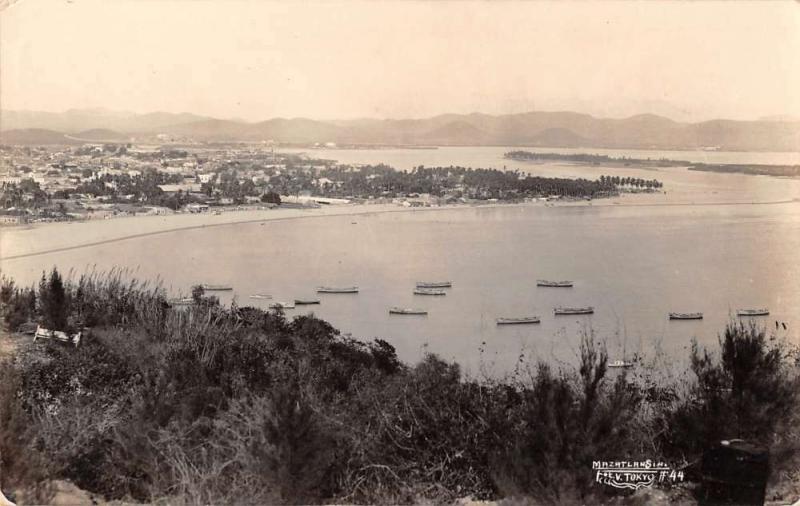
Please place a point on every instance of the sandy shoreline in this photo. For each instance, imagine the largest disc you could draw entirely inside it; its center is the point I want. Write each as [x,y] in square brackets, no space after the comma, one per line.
[26,241]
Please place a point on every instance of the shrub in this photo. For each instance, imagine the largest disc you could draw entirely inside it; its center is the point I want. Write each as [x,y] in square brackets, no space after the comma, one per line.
[743,392]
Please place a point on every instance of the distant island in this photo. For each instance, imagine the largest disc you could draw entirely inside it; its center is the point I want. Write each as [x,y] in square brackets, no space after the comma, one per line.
[751,169]
[605,160]
[593,159]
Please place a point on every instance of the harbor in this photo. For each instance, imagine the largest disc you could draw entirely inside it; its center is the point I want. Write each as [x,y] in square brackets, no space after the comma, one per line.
[631,284]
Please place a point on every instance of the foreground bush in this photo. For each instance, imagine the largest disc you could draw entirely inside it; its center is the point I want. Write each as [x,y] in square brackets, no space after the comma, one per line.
[211,405]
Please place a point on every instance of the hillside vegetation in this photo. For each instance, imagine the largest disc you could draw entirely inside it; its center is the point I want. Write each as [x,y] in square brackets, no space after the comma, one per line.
[213,405]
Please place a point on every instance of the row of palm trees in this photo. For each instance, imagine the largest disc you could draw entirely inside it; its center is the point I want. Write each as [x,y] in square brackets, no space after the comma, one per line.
[631,181]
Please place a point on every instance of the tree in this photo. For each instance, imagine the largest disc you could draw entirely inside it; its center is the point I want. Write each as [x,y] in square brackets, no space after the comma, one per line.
[197,293]
[53,301]
[271,197]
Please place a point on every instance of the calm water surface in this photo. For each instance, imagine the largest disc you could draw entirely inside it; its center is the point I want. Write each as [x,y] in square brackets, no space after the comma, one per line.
[633,263]
[492,156]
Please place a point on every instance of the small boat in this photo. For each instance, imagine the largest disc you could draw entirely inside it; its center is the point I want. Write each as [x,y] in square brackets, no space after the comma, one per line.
[429,291]
[518,321]
[305,302]
[554,284]
[184,301]
[260,296]
[434,284]
[620,364]
[282,305]
[403,310]
[752,312]
[573,310]
[686,316]
[217,288]
[341,289]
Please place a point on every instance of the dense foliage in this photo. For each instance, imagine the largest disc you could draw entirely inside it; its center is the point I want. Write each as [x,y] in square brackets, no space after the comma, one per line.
[140,188]
[23,195]
[205,404]
[477,183]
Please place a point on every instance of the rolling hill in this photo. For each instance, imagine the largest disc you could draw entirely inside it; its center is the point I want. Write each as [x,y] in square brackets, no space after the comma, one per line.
[78,120]
[100,135]
[34,136]
[554,129]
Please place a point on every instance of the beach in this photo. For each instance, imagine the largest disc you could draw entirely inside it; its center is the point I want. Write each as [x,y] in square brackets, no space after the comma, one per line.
[27,240]
[53,237]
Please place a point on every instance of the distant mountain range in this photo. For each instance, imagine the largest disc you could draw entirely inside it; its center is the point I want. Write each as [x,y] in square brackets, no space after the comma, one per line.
[550,129]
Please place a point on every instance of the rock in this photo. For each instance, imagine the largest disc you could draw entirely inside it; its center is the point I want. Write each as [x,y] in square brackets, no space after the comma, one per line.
[67,494]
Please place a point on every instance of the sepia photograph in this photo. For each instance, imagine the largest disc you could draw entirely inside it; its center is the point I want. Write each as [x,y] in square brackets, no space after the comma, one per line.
[400,252]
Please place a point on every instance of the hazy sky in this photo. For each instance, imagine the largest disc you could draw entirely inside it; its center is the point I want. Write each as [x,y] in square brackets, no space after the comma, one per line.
[259,59]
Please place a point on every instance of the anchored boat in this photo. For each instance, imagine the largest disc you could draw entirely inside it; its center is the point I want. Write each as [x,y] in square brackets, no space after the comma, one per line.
[620,364]
[260,296]
[434,284]
[518,321]
[305,302]
[573,310]
[217,288]
[554,284]
[282,305]
[335,289]
[752,312]
[686,316]
[429,291]
[185,301]
[404,310]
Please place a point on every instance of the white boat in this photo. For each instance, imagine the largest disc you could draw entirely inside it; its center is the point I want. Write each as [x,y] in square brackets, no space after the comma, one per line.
[339,289]
[429,291]
[185,301]
[573,310]
[620,364]
[686,316]
[434,284]
[282,305]
[261,296]
[405,310]
[518,321]
[305,302]
[217,288]
[752,312]
[554,284]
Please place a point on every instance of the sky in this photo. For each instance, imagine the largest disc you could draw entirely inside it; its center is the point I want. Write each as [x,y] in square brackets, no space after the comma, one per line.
[339,59]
